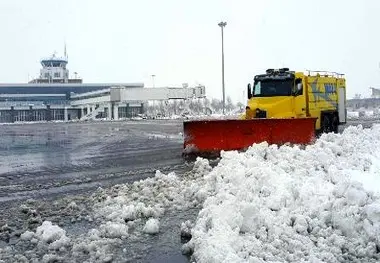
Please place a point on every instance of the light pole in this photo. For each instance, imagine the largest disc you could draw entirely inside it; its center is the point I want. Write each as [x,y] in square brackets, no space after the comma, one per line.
[154,104]
[222,25]
[153,79]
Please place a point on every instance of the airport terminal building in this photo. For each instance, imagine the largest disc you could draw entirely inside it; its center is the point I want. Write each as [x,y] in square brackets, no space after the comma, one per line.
[53,96]
[52,101]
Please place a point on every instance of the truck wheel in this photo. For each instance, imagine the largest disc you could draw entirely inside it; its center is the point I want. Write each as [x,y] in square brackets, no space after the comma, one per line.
[335,124]
[326,128]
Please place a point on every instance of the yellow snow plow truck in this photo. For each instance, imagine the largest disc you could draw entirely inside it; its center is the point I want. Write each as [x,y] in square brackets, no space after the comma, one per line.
[287,94]
[283,107]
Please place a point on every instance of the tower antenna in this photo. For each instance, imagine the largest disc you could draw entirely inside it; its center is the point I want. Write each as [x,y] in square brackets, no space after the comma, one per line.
[65,51]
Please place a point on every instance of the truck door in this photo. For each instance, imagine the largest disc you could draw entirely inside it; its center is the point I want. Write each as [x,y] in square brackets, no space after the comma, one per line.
[300,98]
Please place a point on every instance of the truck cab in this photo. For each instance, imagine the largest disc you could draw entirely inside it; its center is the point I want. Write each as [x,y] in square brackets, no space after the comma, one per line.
[277,94]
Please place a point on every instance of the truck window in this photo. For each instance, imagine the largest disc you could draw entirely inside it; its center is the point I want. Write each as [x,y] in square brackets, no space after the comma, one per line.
[272,88]
[257,88]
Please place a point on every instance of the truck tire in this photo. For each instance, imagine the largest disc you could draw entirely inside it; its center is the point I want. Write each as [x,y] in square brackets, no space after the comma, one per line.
[326,123]
[335,123]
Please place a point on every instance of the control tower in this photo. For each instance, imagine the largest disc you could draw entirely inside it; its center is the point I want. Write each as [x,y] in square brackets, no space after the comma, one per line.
[375,93]
[54,70]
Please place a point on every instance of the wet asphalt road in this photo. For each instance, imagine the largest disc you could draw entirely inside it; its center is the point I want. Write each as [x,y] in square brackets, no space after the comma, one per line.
[51,164]
[39,160]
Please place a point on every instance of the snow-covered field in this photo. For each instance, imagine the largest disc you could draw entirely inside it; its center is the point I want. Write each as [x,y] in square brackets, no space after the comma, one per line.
[268,204]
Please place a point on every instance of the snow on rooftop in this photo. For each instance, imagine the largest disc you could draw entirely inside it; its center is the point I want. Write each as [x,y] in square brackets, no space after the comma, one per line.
[274,204]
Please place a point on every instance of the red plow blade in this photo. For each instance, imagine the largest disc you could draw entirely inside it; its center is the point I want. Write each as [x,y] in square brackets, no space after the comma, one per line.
[208,137]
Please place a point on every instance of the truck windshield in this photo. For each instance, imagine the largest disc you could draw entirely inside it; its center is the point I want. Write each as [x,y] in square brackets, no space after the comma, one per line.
[271,88]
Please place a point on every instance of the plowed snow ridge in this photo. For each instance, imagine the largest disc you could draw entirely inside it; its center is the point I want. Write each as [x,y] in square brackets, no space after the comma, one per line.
[287,204]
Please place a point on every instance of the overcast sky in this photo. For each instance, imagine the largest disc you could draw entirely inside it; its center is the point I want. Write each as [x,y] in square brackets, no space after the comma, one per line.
[180,41]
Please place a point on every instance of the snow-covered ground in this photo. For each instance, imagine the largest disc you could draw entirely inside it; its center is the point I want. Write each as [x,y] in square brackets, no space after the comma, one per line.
[352,114]
[269,204]
[363,114]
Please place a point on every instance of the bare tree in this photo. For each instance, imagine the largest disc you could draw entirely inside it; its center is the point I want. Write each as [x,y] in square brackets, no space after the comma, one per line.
[229,105]
[195,106]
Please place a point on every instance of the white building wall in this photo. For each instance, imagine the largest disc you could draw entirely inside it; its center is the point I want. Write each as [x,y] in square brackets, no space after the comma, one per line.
[375,93]
[136,96]
[116,112]
[144,94]
[66,114]
[91,101]
[109,113]
[63,73]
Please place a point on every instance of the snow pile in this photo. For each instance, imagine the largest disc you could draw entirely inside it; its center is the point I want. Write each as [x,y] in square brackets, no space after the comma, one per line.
[48,235]
[151,136]
[126,211]
[152,226]
[352,114]
[94,247]
[231,116]
[186,229]
[114,230]
[149,198]
[287,204]
[121,214]
[27,236]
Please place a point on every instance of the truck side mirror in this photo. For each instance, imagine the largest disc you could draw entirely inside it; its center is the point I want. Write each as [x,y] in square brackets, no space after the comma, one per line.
[249,91]
[298,88]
